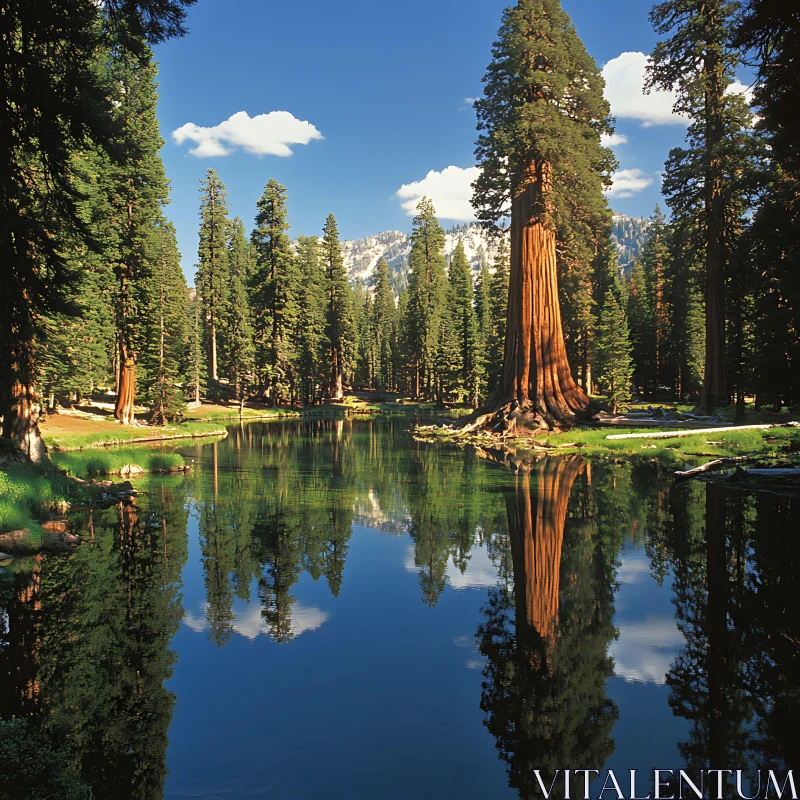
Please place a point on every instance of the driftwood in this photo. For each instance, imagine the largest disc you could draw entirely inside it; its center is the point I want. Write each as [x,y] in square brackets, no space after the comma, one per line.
[719,463]
[691,432]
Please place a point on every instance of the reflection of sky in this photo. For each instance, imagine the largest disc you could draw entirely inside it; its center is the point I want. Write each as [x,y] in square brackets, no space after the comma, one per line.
[249,621]
[649,639]
[480,571]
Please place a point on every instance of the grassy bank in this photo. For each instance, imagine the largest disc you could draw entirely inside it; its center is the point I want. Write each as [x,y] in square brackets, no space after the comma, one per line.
[594,442]
[115,461]
[68,432]
[29,496]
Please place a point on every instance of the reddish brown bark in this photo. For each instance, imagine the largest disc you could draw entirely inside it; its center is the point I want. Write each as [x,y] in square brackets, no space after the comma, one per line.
[126,385]
[21,423]
[536,519]
[536,371]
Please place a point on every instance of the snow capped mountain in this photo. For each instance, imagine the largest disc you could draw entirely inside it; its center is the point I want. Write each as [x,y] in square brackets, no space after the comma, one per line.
[361,255]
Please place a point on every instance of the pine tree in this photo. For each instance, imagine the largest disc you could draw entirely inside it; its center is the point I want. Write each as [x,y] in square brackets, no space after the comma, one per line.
[697,62]
[498,307]
[483,322]
[427,301]
[239,339]
[310,337]
[613,367]
[464,369]
[339,312]
[384,328]
[647,310]
[55,103]
[213,274]
[167,333]
[273,287]
[195,356]
[540,119]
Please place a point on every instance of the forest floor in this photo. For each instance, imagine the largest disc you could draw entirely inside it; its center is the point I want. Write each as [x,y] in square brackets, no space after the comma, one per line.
[77,429]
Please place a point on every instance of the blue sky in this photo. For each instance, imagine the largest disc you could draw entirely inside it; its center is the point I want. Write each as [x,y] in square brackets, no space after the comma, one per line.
[374,97]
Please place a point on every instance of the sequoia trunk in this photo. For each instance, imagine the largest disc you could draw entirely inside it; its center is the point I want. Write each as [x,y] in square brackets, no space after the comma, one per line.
[126,385]
[536,371]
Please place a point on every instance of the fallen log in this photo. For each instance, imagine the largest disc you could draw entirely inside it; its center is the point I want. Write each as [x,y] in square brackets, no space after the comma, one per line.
[691,432]
[719,463]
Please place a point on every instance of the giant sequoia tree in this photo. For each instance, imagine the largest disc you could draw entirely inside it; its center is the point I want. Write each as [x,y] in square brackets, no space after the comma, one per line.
[540,119]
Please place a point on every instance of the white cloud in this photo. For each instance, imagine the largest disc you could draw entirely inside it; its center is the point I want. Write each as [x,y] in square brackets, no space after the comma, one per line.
[263,135]
[624,77]
[450,191]
[737,87]
[613,140]
[628,182]
[645,649]
[248,621]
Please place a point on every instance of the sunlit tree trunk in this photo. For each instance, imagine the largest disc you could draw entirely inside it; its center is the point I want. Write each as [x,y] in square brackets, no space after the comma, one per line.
[126,385]
[536,518]
[536,372]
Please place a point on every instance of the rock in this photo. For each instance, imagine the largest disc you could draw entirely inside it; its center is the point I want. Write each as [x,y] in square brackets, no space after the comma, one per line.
[5,557]
[55,526]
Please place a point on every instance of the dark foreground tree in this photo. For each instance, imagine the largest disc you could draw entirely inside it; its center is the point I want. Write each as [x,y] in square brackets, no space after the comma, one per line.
[697,61]
[540,119]
[52,105]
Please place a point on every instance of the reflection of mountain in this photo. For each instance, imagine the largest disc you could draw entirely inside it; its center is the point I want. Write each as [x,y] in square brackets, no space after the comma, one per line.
[248,620]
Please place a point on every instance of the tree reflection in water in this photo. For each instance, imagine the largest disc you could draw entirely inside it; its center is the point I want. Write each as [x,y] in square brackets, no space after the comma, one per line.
[546,641]
[84,637]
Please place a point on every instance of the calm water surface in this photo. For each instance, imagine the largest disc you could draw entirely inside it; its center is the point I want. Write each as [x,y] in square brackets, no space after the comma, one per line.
[329,609]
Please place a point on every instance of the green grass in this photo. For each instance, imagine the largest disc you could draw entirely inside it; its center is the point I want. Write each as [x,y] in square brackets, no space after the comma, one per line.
[91,462]
[29,496]
[778,442]
[108,435]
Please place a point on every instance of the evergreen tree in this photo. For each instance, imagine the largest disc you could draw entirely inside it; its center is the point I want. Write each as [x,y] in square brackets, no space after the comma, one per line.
[697,61]
[498,307]
[137,188]
[339,312]
[463,324]
[54,105]
[541,119]
[273,288]
[427,301]
[483,322]
[310,337]
[167,335]
[384,328]
[195,355]
[647,310]
[239,346]
[213,269]
[613,368]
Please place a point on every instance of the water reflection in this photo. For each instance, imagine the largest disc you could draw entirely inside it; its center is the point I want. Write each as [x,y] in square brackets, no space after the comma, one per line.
[85,655]
[573,563]
[546,641]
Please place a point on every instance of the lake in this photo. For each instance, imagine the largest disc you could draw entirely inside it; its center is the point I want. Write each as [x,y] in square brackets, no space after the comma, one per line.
[330,609]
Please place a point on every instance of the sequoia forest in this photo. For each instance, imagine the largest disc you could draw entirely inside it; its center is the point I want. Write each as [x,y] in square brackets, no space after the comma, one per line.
[549,323]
